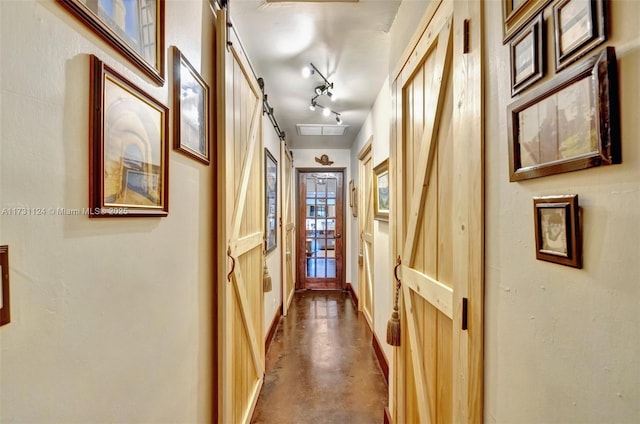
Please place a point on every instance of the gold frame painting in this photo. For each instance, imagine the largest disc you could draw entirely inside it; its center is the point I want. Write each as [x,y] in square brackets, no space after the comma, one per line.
[129,167]
[381,183]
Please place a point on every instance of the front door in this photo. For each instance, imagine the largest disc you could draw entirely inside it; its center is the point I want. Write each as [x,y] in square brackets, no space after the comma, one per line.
[320,247]
[437,214]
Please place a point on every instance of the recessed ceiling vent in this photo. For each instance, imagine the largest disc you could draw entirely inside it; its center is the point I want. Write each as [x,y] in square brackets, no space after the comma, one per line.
[317,129]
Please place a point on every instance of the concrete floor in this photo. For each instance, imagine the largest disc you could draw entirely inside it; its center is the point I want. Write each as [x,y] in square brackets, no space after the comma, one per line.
[321,367]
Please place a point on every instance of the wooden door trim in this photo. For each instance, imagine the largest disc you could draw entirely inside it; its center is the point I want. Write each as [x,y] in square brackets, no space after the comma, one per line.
[287,225]
[299,214]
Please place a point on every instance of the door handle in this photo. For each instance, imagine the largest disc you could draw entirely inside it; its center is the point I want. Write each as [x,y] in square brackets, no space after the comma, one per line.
[338,236]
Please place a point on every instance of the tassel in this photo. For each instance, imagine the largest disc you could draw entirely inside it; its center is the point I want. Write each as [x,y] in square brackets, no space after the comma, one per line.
[266,278]
[393,326]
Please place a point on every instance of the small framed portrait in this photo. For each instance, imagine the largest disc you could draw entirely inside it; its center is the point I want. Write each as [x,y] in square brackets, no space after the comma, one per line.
[129,168]
[517,13]
[381,191]
[271,193]
[190,109]
[579,26]
[568,123]
[527,60]
[557,229]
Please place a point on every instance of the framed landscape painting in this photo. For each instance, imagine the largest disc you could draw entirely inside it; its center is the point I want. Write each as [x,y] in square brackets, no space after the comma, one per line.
[128,171]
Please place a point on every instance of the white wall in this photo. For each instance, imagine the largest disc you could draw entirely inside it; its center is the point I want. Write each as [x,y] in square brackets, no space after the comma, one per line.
[561,344]
[377,128]
[273,299]
[111,318]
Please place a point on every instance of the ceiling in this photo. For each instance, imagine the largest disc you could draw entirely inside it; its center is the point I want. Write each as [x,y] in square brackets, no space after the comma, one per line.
[347,41]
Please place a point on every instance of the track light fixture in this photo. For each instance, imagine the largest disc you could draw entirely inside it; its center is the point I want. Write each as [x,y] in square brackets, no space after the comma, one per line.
[321,90]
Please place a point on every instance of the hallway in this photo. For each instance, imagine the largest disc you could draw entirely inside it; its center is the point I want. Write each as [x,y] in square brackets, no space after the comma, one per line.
[321,367]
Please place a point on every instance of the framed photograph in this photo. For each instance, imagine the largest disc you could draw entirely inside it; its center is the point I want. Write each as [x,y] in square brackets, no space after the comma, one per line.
[381,191]
[569,123]
[135,28]
[190,109]
[353,199]
[557,228]
[5,304]
[579,26]
[517,13]
[527,60]
[271,200]
[129,167]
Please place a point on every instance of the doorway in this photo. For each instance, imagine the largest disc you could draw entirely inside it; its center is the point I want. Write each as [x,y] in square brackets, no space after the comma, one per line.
[320,248]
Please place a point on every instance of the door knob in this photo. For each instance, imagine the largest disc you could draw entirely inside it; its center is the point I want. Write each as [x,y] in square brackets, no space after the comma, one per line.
[338,236]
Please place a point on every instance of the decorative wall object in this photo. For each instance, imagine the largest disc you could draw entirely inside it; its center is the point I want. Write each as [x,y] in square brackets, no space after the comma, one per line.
[353,199]
[271,200]
[190,109]
[381,191]
[527,60]
[579,26]
[135,28]
[129,167]
[569,123]
[517,13]
[557,230]
[324,160]
[5,302]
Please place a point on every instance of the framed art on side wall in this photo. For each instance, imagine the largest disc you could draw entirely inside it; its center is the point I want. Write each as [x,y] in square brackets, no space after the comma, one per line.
[381,191]
[129,167]
[517,13]
[135,28]
[527,60]
[569,123]
[271,200]
[190,109]
[557,230]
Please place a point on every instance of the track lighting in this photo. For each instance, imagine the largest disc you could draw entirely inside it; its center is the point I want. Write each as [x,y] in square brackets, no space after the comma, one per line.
[326,112]
[338,119]
[321,90]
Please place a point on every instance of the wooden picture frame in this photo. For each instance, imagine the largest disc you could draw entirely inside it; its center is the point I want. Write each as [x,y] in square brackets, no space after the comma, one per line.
[517,13]
[136,30]
[527,60]
[557,230]
[5,302]
[569,123]
[381,191]
[353,198]
[271,200]
[190,109]
[129,166]
[579,27]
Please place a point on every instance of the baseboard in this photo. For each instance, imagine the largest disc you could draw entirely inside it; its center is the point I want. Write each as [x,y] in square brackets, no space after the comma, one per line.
[354,297]
[382,360]
[387,416]
[273,328]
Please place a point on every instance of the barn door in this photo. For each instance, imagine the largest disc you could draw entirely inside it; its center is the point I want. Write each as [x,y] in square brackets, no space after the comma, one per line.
[288,229]
[241,230]
[438,213]
[365,227]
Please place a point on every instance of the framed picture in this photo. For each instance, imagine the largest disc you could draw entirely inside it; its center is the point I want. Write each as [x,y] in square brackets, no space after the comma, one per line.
[353,199]
[381,191]
[5,304]
[579,26]
[129,167]
[135,28]
[568,123]
[527,60]
[190,109]
[517,13]
[271,197]
[556,220]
